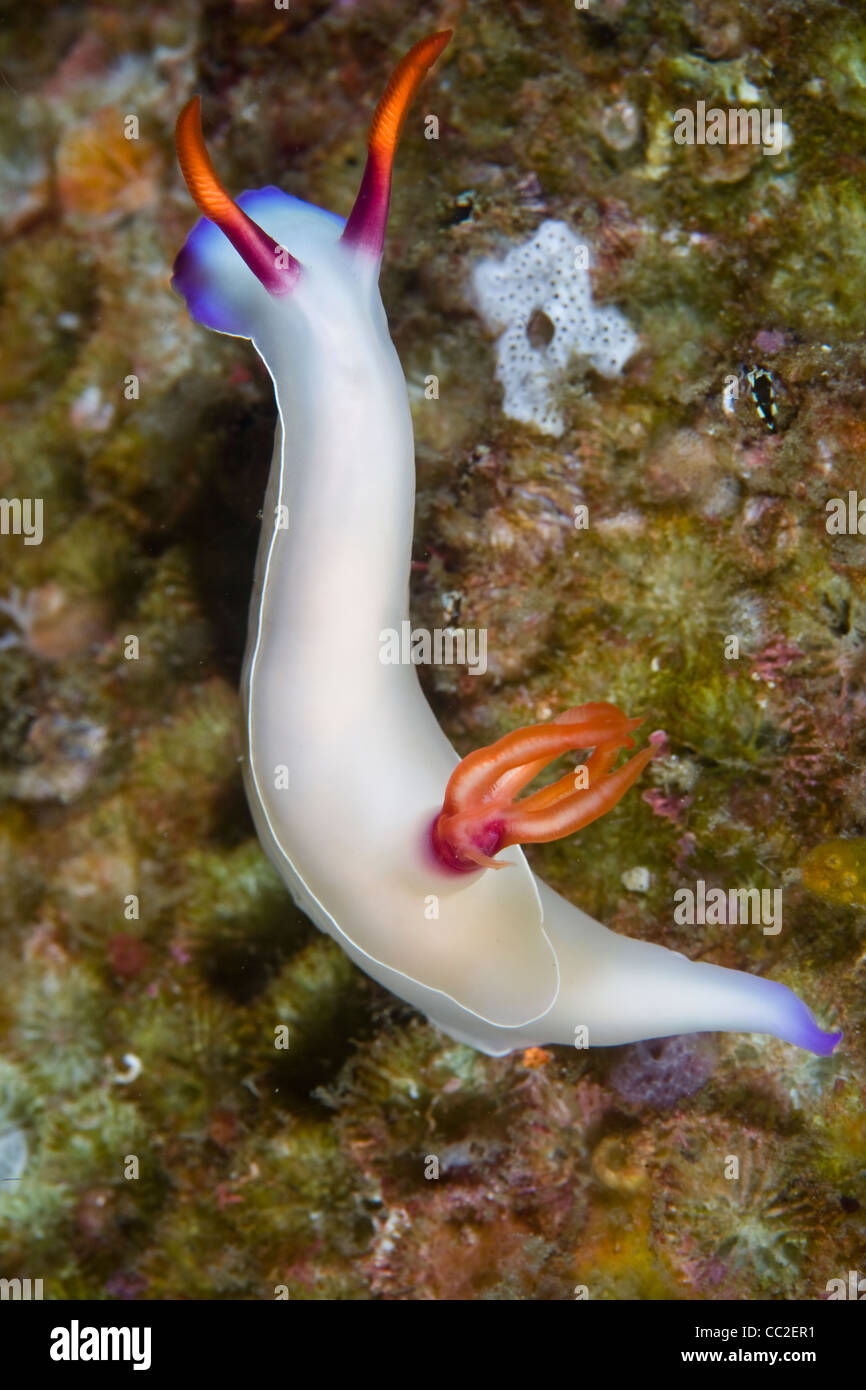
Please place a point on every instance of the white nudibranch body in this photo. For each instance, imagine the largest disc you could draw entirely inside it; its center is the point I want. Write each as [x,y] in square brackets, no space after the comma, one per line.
[346,766]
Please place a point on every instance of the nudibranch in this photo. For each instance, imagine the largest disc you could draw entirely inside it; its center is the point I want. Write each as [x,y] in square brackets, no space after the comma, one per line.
[382,835]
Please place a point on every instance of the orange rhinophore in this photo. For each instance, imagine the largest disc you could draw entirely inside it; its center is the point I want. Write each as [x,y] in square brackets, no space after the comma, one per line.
[366,223]
[397,97]
[480,815]
[270,262]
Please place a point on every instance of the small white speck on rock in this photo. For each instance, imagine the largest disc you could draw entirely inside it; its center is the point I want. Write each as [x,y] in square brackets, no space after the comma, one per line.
[636,880]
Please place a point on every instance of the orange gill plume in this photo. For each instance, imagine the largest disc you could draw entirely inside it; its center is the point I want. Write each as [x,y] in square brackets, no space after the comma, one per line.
[480,815]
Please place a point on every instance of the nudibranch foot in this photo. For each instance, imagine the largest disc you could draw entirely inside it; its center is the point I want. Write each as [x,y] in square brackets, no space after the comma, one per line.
[620,989]
[480,815]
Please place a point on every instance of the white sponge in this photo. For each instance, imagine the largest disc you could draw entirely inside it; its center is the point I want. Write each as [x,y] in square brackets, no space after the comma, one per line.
[550,273]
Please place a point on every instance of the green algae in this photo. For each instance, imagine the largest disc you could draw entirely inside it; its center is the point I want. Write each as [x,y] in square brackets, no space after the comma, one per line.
[47,304]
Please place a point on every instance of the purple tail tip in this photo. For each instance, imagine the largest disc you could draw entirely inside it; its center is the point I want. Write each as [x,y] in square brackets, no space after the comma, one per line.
[824,1043]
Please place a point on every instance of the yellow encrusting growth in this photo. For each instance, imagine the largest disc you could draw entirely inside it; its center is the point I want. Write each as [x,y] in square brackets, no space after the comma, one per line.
[836,871]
